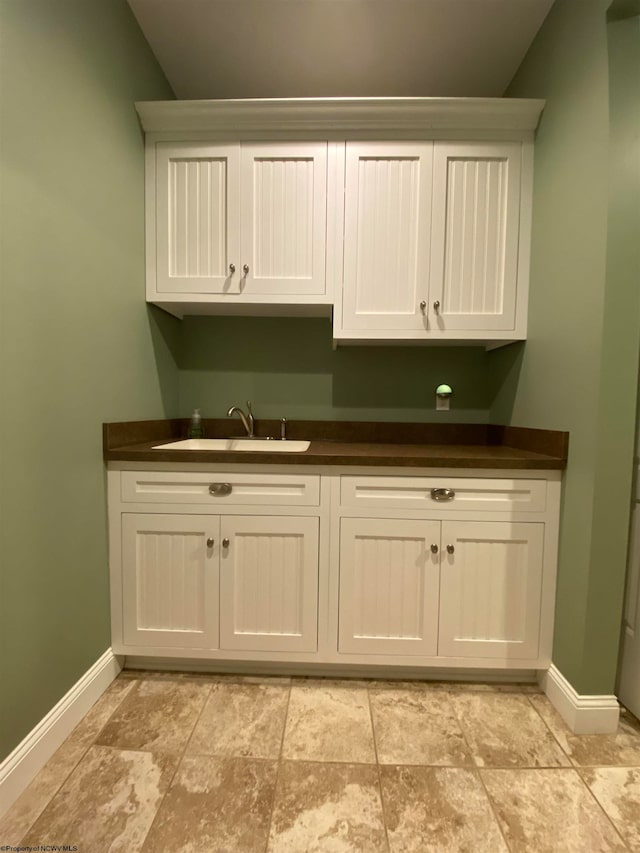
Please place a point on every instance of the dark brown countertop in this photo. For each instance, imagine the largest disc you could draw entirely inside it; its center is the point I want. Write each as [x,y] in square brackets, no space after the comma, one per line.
[352,443]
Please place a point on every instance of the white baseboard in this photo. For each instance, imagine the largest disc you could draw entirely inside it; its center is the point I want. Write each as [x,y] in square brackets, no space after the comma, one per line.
[29,757]
[585,715]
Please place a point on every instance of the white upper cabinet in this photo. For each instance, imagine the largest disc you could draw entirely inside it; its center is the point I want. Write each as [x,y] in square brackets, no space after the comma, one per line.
[387,234]
[197,218]
[409,218]
[476,219]
[238,223]
[435,242]
[283,218]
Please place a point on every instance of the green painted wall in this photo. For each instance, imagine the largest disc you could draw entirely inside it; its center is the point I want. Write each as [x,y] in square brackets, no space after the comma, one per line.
[79,346]
[287,368]
[621,345]
[578,369]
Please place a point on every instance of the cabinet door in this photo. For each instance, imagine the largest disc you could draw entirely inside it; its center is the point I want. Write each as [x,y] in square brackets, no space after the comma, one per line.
[197,218]
[388,586]
[269,583]
[170,580]
[387,235]
[490,588]
[284,218]
[474,246]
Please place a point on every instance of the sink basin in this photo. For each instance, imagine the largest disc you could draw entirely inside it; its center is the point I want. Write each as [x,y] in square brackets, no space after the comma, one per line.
[235,444]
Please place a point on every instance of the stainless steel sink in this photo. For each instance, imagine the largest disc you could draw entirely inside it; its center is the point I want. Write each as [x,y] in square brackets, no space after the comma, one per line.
[248,444]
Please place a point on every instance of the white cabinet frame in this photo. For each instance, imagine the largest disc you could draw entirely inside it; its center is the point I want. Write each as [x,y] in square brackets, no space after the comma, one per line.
[328,126]
[237,224]
[352,498]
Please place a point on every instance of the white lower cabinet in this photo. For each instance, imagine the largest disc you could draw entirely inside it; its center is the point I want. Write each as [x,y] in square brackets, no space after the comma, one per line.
[206,582]
[388,586]
[490,589]
[451,588]
[269,583]
[414,570]
[170,580]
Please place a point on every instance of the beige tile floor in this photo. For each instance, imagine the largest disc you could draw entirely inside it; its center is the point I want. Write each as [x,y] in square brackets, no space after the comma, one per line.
[165,763]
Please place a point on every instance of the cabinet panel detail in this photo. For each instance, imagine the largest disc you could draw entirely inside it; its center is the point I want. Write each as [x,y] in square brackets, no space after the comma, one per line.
[170,580]
[269,583]
[283,201]
[197,218]
[387,230]
[388,586]
[284,215]
[497,495]
[490,589]
[258,489]
[476,209]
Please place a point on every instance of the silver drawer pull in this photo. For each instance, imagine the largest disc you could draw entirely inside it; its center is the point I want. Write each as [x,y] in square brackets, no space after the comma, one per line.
[220,490]
[443,494]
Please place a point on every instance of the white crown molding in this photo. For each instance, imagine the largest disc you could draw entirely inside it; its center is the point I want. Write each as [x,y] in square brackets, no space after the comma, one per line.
[29,757]
[584,714]
[342,114]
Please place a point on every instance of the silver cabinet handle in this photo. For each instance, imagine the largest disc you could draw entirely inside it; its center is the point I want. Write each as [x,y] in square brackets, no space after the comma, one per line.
[442,494]
[434,548]
[436,305]
[225,543]
[210,542]
[423,306]
[245,269]
[220,490]
[450,549]
[232,268]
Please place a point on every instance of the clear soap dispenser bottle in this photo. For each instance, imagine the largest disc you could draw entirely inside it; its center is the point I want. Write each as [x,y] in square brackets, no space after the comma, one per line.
[196,430]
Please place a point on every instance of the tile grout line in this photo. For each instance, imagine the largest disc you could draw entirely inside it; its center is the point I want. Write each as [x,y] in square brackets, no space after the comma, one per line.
[378,769]
[556,739]
[143,840]
[602,809]
[278,766]
[476,769]
[82,756]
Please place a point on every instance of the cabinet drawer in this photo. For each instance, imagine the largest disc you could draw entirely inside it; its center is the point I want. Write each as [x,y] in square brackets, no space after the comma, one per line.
[470,493]
[218,490]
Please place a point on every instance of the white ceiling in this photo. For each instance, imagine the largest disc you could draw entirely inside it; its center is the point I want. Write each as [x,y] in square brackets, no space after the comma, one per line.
[331,48]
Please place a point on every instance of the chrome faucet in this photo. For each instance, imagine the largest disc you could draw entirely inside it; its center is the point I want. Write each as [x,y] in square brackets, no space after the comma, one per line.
[247,420]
